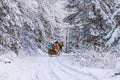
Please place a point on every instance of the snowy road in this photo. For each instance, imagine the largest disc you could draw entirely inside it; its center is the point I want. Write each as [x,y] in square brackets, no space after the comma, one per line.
[50,68]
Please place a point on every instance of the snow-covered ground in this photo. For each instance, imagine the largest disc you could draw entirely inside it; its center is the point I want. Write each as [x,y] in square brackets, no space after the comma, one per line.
[44,67]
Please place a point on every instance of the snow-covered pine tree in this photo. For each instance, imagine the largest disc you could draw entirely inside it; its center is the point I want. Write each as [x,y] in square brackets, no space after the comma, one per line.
[26,25]
[95,22]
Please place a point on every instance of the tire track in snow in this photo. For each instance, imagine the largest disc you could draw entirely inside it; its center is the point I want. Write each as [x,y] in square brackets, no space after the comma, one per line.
[57,73]
[72,70]
[65,71]
[63,75]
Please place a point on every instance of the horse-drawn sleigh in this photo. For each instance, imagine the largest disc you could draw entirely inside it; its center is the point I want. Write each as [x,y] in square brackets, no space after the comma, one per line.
[55,49]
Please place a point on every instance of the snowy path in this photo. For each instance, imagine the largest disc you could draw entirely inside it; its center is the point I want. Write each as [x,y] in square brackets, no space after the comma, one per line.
[50,68]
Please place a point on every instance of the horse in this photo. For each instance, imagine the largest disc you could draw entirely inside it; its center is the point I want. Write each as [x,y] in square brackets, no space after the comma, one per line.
[52,52]
[56,52]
